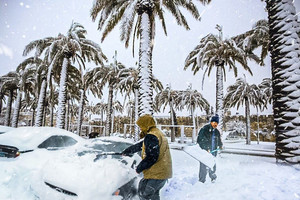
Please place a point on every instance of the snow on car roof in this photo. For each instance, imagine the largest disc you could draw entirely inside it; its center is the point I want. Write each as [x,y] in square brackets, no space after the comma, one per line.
[28,138]
[4,129]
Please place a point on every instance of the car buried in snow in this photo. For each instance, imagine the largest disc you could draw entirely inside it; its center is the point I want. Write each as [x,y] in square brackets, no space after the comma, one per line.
[27,139]
[98,172]
[58,164]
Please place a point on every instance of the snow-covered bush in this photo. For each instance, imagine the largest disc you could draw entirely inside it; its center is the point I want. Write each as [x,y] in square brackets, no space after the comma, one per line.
[236,129]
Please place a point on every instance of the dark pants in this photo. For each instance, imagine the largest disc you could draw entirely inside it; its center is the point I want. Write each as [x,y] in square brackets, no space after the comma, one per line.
[203,173]
[149,188]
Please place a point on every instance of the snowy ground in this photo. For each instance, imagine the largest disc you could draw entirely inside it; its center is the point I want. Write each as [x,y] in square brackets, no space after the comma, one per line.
[240,177]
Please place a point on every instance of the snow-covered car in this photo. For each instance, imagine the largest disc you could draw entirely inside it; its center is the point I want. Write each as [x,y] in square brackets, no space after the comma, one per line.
[4,129]
[98,171]
[27,139]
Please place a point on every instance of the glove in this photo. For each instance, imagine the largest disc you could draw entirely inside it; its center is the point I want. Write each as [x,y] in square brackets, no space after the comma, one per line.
[126,152]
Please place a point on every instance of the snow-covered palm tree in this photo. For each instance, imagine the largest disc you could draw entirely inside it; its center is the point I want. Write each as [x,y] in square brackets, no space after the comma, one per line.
[100,109]
[3,93]
[109,74]
[215,52]
[137,18]
[266,90]
[87,84]
[62,51]
[116,107]
[285,60]
[192,99]
[257,37]
[242,93]
[40,85]
[9,83]
[130,113]
[129,84]
[167,97]
[25,78]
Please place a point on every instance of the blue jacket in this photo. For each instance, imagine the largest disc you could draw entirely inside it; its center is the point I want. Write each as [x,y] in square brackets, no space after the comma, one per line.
[205,138]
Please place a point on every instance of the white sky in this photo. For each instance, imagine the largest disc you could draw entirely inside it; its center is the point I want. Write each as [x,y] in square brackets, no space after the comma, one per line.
[24,21]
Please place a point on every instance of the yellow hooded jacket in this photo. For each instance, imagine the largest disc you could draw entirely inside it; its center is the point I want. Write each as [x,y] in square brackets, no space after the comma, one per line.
[162,169]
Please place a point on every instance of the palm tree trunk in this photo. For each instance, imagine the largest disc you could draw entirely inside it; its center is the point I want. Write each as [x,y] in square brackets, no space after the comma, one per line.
[41,104]
[16,113]
[101,130]
[130,121]
[145,67]
[219,97]
[109,111]
[51,102]
[285,60]
[194,125]
[257,126]
[67,114]
[61,111]
[44,119]
[112,121]
[80,112]
[8,108]
[172,122]
[33,116]
[136,104]
[1,101]
[51,115]
[248,128]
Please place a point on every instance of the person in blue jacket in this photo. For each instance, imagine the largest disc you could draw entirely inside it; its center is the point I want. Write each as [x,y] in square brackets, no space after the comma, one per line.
[209,139]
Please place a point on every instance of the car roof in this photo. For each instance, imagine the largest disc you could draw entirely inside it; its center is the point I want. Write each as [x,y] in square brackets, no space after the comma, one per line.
[28,138]
[4,129]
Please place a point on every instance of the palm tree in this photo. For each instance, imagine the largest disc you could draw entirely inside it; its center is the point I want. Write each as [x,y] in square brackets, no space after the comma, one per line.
[61,51]
[3,93]
[266,90]
[285,61]
[109,75]
[168,97]
[257,37]
[130,106]
[40,83]
[129,84]
[241,93]
[87,84]
[116,107]
[10,84]
[25,78]
[138,18]
[214,52]
[192,99]
[100,109]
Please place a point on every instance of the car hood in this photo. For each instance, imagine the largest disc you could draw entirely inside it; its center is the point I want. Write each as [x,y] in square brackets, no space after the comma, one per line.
[88,179]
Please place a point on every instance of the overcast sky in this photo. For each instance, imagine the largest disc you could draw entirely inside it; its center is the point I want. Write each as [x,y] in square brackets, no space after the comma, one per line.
[22,21]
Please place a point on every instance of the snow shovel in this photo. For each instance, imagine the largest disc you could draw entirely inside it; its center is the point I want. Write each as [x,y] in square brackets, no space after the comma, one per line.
[201,155]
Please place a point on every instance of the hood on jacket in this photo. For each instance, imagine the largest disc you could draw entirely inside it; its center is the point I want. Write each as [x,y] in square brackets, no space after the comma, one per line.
[145,122]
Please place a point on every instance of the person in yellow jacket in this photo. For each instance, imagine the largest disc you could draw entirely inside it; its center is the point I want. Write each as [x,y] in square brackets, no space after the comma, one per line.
[156,163]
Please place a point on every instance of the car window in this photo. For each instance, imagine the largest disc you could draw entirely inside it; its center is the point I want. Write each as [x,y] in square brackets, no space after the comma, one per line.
[111,146]
[57,141]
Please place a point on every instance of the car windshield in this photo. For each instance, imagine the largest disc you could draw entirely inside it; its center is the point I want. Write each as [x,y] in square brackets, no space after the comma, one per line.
[111,146]
[105,147]
[57,141]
